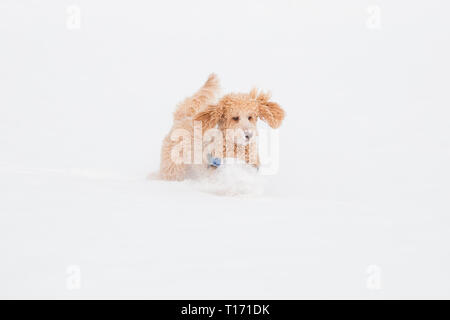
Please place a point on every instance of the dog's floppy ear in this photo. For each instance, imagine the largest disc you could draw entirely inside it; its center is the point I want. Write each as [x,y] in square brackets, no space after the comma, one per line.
[268,111]
[210,116]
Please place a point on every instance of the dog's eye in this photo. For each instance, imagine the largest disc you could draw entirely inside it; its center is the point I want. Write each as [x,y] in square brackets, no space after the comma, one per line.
[236,118]
[250,118]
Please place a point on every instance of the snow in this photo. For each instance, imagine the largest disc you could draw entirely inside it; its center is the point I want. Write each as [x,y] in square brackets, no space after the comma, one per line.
[231,180]
[357,206]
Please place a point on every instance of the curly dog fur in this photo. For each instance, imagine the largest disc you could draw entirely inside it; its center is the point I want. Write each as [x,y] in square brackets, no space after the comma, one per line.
[234,116]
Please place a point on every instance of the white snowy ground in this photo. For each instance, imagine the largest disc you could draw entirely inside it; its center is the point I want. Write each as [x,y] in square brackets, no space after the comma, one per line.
[359,207]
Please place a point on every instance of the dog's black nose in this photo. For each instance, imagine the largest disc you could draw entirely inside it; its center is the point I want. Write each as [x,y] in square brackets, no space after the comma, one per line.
[248,135]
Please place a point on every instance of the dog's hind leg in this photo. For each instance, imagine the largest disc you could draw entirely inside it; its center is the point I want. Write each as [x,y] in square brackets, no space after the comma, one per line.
[171,169]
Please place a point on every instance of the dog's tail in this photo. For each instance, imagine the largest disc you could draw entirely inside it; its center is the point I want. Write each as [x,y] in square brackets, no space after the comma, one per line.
[207,94]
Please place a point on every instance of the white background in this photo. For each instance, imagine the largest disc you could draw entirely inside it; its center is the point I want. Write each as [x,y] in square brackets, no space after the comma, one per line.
[358,209]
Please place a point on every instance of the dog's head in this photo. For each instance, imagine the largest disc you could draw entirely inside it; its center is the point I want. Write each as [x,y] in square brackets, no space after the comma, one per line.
[240,113]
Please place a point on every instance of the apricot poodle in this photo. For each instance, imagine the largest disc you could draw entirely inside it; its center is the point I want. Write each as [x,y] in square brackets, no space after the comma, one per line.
[206,131]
